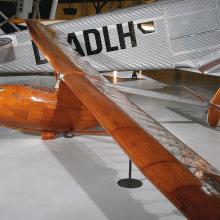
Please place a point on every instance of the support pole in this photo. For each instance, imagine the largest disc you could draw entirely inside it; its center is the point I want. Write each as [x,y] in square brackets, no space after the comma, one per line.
[53,10]
[130,170]
[7,21]
[130,182]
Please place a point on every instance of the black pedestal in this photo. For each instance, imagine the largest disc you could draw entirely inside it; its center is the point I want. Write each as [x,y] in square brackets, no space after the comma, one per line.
[129,182]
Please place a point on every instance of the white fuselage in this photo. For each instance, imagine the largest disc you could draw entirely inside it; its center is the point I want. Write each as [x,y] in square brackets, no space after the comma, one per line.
[165,34]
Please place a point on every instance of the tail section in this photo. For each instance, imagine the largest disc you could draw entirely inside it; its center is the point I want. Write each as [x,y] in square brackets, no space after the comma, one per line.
[214,113]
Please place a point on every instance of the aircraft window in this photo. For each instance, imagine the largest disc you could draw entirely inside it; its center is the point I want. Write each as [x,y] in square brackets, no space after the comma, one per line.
[146,27]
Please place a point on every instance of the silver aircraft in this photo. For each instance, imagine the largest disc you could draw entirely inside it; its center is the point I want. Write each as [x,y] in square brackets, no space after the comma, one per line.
[164,34]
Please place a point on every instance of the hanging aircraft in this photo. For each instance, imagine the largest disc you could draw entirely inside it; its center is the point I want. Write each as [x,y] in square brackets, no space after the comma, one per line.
[161,35]
[164,34]
[83,99]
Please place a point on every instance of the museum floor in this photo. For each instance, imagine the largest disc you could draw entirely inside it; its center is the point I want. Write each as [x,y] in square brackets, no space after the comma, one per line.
[76,178]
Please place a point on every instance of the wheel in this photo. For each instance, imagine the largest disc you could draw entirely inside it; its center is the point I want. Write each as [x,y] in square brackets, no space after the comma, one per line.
[68,135]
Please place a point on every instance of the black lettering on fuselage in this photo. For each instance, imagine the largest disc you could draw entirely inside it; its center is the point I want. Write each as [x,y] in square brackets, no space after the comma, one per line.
[38,59]
[108,45]
[122,35]
[98,47]
[87,34]
[71,38]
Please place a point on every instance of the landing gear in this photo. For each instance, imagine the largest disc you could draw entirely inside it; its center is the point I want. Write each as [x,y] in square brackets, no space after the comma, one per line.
[68,135]
[134,75]
[45,135]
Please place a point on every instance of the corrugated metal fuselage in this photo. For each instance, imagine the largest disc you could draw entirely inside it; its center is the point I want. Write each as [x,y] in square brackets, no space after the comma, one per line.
[165,34]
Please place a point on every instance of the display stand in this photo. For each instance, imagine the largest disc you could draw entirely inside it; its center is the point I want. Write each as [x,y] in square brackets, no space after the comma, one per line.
[130,182]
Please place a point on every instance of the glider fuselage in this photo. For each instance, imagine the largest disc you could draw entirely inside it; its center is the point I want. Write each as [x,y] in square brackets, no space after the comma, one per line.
[165,34]
[37,110]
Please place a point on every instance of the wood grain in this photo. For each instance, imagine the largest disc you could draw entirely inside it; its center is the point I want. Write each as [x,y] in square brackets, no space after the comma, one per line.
[176,182]
[35,110]
[213,114]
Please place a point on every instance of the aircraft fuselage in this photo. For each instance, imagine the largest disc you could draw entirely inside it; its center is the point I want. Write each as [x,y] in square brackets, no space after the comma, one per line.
[36,110]
[161,35]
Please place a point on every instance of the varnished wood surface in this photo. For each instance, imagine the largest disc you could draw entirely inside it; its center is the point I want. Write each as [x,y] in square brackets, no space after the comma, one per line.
[214,114]
[26,108]
[177,183]
[30,109]
[165,172]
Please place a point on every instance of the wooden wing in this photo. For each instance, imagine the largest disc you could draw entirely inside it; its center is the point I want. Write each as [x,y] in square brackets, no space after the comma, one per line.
[159,155]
